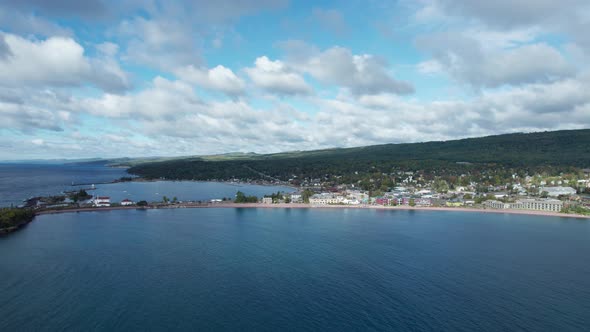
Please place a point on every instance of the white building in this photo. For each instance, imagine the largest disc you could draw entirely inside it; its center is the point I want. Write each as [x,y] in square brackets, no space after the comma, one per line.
[552,205]
[556,191]
[357,195]
[267,200]
[324,199]
[493,204]
[127,202]
[100,201]
[296,198]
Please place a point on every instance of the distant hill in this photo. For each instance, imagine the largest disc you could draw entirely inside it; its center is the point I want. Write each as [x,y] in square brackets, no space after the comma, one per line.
[566,148]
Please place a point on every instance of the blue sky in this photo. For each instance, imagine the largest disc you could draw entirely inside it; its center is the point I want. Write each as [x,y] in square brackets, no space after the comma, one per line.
[103,78]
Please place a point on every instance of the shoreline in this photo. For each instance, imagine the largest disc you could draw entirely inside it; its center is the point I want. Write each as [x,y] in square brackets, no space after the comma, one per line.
[308,206]
[146,180]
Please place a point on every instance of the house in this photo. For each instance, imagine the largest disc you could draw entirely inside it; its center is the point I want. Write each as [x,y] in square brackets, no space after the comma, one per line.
[101,201]
[382,201]
[296,198]
[267,200]
[423,201]
[557,191]
[127,202]
[500,195]
[357,195]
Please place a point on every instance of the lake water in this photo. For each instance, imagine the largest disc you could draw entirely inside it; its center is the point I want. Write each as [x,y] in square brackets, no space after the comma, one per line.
[21,181]
[296,269]
[182,190]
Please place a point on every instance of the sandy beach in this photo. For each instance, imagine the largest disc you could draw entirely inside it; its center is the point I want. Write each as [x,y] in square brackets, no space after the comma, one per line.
[308,206]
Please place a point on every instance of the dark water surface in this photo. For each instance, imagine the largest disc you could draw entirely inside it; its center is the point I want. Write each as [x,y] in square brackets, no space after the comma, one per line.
[183,190]
[296,269]
[21,181]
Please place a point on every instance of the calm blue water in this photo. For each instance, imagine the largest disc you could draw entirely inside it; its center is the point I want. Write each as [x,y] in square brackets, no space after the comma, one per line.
[290,269]
[183,190]
[21,181]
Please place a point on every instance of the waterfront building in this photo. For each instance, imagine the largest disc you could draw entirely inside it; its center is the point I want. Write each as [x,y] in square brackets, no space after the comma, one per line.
[296,198]
[382,201]
[493,204]
[551,205]
[267,200]
[357,195]
[127,202]
[324,199]
[423,201]
[102,201]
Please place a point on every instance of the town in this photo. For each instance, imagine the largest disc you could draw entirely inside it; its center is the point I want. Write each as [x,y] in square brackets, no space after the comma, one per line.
[555,194]
[566,193]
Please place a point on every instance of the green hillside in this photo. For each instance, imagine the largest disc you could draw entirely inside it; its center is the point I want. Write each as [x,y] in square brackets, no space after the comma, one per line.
[567,148]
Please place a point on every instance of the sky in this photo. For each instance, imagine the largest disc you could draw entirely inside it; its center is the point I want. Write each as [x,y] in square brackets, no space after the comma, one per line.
[102,78]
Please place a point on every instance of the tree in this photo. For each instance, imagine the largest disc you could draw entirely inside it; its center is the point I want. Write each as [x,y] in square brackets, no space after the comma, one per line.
[80,195]
[412,202]
[242,198]
[10,217]
[306,195]
[174,199]
[165,199]
[440,186]
[142,203]
[544,194]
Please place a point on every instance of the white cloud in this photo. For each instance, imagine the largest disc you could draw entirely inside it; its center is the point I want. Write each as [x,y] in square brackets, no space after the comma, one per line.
[349,120]
[26,24]
[28,118]
[429,67]
[108,49]
[331,20]
[218,78]
[510,51]
[569,17]
[512,13]
[221,11]
[472,61]
[163,43]
[57,61]
[38,141]
[361,74]
[277,77]
[163,99]
[168,118]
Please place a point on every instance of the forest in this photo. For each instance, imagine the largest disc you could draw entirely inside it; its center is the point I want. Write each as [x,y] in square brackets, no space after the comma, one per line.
[552,152]
[11,218]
